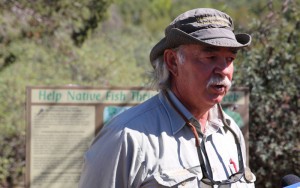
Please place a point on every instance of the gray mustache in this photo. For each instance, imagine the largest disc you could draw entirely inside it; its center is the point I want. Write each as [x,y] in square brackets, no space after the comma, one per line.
[216,80]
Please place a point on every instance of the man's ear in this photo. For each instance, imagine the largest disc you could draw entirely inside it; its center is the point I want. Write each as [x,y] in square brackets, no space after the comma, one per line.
[170,58]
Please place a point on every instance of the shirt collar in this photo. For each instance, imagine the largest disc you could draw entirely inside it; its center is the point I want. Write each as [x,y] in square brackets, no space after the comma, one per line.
[177,122]
[214,120]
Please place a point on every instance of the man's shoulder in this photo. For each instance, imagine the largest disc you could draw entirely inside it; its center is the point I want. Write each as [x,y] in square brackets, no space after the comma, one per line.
[139,115]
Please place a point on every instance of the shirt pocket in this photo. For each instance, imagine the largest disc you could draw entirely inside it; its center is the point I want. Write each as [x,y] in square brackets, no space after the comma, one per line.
[178,178]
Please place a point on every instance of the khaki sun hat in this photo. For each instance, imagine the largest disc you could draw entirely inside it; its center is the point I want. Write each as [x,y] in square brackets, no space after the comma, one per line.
[204,26]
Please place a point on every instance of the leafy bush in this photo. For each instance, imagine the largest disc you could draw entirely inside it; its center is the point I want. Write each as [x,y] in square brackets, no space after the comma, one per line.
[12,161]
[271,70]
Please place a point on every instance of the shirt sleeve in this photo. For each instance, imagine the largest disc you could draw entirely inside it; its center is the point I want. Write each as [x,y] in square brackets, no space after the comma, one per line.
[114,160]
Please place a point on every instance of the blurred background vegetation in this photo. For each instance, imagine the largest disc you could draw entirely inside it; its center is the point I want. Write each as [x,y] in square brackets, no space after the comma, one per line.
[107,43]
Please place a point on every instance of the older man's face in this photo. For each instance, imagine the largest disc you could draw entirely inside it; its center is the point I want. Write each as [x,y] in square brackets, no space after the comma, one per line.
[205,75]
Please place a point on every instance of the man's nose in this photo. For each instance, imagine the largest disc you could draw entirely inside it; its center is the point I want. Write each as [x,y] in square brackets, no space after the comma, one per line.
[222,65]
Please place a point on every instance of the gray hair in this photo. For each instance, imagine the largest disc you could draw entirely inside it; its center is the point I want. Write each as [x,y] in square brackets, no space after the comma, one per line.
[161,74]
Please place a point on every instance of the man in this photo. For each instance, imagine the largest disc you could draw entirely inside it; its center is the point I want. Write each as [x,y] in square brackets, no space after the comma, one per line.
[181,137]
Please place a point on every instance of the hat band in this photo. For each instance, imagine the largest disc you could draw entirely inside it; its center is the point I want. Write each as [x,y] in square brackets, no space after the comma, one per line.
[213,33]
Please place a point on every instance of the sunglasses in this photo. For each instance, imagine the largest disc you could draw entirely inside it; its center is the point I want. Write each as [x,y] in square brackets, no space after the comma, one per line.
[207,179]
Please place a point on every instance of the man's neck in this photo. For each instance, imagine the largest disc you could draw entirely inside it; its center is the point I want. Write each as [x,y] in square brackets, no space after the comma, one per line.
[200,112]
[203,120]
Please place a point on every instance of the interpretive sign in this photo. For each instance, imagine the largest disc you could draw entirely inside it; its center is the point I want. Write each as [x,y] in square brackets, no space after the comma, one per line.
[62,121]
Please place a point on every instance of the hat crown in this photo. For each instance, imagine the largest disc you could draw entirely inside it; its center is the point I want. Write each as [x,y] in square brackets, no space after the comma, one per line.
[201,18]
[203,26]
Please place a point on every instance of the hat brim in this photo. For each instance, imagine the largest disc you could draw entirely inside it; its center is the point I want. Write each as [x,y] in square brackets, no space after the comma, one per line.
[177,37]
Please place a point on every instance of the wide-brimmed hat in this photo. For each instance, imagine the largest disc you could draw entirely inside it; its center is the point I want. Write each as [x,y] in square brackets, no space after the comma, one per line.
[204,26]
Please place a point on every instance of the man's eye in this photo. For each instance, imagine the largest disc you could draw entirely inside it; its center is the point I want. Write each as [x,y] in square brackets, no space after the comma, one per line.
[230,59]
[211,57]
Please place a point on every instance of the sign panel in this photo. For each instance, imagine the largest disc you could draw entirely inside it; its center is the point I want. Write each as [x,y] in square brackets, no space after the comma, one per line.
[62,121]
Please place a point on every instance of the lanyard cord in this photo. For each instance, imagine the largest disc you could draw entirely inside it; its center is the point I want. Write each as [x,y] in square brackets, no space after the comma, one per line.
[193,128]
[196,135]
[236,139]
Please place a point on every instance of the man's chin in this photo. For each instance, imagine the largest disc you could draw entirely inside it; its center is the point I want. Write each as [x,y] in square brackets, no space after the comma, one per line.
[217,99]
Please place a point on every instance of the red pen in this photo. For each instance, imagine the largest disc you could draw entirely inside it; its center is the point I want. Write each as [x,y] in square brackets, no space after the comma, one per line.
[234,165]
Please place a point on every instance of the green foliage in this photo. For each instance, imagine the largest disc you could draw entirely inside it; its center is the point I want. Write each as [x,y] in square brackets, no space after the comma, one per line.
[271,70]
[149,14]
[40,20]
[42,65]
[12,161]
